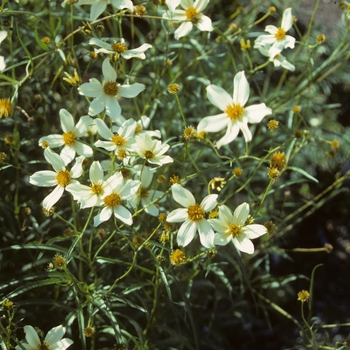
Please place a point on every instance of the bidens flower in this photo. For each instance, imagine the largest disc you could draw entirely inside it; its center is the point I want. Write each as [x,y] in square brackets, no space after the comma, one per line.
[190,15]
[119,47]
[3,35]
[192,216]
[106,94]
[276,58]
[69,137]
[60,178]
[52,341]
[235,117]
[278,38]
[98,6]
[232,228]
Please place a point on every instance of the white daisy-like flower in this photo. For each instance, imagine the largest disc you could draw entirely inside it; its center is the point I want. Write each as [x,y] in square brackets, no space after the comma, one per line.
[192,216]
[60,178]
[53,339]
[90,196]
[99,6]
[278,38]
[115,191]
[106,94]
[69,137]
[235,117]
[232,227]
[152,150]
[3,35]
[143,124]
[276,57]
[119,47]
[143,194]
[121,143]
[191,14]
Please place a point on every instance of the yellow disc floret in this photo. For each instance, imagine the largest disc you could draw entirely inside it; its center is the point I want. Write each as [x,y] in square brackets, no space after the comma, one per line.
[110,88]
[192,15]
[234,111]
[96,188]
[281,33]
[118,140]
[63,178]
[119,47]
[69,138]
[195,213]
[235,230]
[112,200]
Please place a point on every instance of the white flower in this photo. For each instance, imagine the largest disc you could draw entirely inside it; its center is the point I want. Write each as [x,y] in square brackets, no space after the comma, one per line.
[190,15]
[152,150]
[52,341]
[69,138]
[276,57]
[278,37]
[115,191]
[3,35]
[235,116]
[60,178]
[145,195]
[142,124]
[193,216]
[231,227]
[98,6]
[106,94]
[90,196]
[119,47]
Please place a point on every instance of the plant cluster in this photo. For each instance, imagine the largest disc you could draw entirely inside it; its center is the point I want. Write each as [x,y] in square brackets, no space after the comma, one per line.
[144,145]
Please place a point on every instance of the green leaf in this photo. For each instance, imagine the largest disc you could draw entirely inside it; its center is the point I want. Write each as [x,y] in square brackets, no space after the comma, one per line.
[303,172]
[166,283]
[39,42]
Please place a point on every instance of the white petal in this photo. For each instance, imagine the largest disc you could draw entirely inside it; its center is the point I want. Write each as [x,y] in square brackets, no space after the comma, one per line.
[264,40]
[67,154]
[186,233]
[254,230]
[272,30]
[113,107]
[103,130]
[83,150]
[2,63]
[138,52]
[245,130]
[240,89]
[209,202]
[83,125]
[77,169]
[53,197]
[256,113]
[287,19]
[200,5]
[53,140]
[96,172]
[63,344]
[55,334]
[100,43]
[225,215]
[130,91]
[54,159]
[109,74]
[206,234]
[222,238]
[244,244]
[213,123]
[204,24]
[31,336]
[241,213]
[92,89]
[182,196]
[97,8]
[231,133]
[103,216]
[123,214]
[67,121]
[43,178]
[219,97]
[172,4]
[3,35]
[183,30]
[178,215]
[96,107]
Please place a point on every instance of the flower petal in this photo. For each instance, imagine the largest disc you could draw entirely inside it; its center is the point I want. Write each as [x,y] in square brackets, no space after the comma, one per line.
[182,196]
[186,233]
[205,24]
[206,234]
[31,336]
[178,215]
[183,30]
[287,19]
[244,244]
[53,197]
[67,121]
[55,334]
[103,216]
[222,238]
[231,133]
[123,214]
[240,89]
[44,178]
[254,230]
[256,113]
[130,91]
[213,123]
[109,74]
[209,202]
[219,97]
[241,213]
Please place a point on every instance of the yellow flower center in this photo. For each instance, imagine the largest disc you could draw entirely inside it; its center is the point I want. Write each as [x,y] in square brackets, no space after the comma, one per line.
[5,107]
[149,154]
[119,47]
[235,230]
[121,154]
[43,346]
[195,212]
[118,140]
[69,138]
[281,33]
[96,188]
[138,128]
[192,15]
[234,111]
[110,88]
[112,200]
[143,192]
[63,178]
